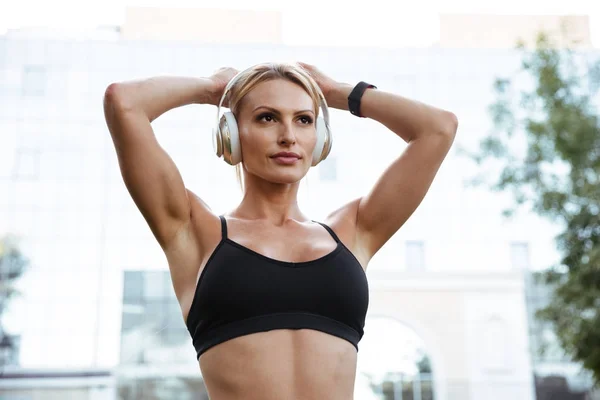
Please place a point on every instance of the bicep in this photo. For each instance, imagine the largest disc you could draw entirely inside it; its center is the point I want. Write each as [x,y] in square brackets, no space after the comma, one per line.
[149,173]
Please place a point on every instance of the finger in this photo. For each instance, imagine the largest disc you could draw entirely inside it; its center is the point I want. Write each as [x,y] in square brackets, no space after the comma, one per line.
[307,66]
[303,65]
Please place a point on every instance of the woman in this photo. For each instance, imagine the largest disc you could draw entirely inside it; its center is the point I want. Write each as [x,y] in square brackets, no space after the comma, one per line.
[275,303]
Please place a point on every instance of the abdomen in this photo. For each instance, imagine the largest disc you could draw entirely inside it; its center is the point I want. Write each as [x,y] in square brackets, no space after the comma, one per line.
[281,364]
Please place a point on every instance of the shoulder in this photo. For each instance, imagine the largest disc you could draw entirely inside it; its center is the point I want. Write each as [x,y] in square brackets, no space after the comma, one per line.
[343,222]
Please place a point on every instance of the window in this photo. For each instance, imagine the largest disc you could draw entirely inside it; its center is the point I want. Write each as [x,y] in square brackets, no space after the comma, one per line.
[328,169]
[152,327]
[133,287]
[27,163]
[519,255]
[415,255]
[33,80]
[395,363]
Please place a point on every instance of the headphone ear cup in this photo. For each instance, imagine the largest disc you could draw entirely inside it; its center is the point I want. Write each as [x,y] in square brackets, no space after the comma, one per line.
[322,138]
[217,141]
[229,134]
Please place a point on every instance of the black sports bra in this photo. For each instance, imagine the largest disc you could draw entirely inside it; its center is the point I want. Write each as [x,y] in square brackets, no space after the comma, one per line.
[240,292]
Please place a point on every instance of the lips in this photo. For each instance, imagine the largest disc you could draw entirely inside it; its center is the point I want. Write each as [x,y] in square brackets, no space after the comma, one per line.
[285,154]
[286,158]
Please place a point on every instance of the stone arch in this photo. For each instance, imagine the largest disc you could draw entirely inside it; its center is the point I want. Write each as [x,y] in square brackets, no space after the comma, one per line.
[429,344]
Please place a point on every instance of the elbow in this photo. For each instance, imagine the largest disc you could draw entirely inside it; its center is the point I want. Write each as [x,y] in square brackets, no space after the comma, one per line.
[115,105]
[448,124]
[115,97]
[444,124]
[112,92]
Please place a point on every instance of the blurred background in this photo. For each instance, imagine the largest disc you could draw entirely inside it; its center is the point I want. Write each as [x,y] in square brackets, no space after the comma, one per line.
[490,291]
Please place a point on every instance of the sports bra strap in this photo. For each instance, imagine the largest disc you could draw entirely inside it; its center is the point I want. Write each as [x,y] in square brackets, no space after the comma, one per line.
[331,232]
[223,227]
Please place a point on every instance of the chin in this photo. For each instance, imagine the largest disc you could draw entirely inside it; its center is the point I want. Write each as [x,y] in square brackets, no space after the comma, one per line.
[279,174]
[290,177]
[284,175]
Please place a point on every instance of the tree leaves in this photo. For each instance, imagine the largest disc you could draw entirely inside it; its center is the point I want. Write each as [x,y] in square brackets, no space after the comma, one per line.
[559,177]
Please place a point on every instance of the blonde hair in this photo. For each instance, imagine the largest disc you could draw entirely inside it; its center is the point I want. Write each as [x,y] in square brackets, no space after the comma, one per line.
[250,78]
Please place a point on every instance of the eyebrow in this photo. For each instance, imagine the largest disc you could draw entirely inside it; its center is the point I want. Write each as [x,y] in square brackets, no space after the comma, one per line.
[275,111]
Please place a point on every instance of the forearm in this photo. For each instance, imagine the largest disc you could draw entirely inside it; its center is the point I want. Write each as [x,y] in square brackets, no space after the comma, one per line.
[407,118]
[157,95]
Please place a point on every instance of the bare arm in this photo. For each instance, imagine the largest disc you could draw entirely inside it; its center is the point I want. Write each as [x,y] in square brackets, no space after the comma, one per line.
[150,175]
[429,132]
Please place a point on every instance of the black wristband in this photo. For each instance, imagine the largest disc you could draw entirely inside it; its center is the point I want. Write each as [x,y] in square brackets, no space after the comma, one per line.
[356,95]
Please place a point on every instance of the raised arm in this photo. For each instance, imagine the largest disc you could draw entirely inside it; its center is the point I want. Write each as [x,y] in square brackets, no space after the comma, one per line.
[150,175]
[173,213]
[429,132]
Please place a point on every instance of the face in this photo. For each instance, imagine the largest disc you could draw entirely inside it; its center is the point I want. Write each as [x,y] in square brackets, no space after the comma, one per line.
[277,127]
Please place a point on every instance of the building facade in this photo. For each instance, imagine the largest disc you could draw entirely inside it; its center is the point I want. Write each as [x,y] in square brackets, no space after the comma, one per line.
[450,283]
[504,31]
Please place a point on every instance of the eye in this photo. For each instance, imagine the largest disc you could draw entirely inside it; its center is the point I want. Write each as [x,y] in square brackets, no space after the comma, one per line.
[307,120]
[266,117]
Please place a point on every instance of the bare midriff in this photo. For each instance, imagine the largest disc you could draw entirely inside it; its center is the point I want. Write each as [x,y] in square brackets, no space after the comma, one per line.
[281,365]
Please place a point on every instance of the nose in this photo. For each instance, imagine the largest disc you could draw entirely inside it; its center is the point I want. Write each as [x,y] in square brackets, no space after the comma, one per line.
[287,136]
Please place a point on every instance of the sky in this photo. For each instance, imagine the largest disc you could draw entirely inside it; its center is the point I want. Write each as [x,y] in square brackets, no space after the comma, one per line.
[415,23]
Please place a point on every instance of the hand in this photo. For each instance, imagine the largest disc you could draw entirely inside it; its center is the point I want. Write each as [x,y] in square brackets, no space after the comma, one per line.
[220,79]
[326,84]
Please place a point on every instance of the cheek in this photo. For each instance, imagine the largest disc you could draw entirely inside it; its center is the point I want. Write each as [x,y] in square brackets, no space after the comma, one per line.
[251,141]
[310,139]
[245,136]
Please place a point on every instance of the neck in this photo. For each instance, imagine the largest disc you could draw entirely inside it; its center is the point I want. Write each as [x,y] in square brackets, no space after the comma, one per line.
[274,202]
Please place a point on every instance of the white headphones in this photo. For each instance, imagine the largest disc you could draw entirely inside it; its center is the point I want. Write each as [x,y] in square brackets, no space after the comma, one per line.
[226,138]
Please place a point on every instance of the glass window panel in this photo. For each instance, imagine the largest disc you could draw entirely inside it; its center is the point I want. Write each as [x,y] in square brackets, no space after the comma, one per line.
[174,335]
[173,315]
[155,311]
[27,163]
[154,285]
[133,317]
[8,147]
[133,289]
[34,80]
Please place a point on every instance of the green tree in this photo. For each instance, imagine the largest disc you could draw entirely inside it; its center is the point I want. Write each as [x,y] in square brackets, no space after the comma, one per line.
[12,265]
[546,144]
